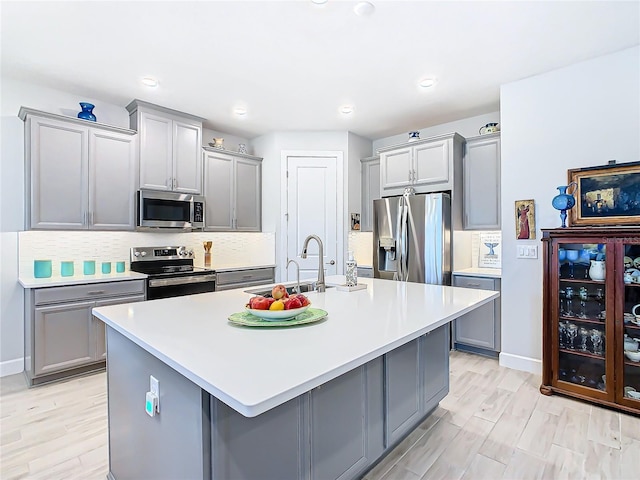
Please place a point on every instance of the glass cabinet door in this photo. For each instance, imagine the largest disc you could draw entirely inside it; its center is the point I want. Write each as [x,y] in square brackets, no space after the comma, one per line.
[630,384]
[582,317]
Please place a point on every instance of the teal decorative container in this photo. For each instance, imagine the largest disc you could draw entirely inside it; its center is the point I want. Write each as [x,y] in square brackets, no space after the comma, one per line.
[42,268]
[119,267]
[66,269]
[106,267]
[89,267]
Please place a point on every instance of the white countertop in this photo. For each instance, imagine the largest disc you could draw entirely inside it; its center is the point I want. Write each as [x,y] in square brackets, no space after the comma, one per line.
[255,369]
[58,281]
[480,272]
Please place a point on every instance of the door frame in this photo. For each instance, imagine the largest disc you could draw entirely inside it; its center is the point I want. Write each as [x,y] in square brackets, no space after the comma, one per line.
[281,273]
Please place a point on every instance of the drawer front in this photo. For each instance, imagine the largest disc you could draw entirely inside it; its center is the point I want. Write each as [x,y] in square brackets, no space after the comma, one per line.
[243,277]
[88,291]
[475,282]
[365,272]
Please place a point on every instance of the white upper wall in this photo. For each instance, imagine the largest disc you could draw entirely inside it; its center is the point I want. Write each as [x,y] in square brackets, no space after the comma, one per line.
[579,116]
[467,127]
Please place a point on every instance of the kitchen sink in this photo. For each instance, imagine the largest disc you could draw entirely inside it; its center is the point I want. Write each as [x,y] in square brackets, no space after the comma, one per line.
[304,288]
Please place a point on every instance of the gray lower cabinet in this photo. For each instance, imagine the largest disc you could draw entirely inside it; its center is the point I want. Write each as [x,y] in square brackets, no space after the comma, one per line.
[416,379]
[335,431]
[365,272]
[62,338]
[479,331]
[248,277]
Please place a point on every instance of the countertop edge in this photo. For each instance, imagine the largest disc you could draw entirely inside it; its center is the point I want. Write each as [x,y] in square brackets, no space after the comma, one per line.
[69,281]
[254,409]
[479,272]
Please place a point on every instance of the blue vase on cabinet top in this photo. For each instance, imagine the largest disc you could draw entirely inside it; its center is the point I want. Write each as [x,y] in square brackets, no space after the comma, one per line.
[564,201]
[87,112]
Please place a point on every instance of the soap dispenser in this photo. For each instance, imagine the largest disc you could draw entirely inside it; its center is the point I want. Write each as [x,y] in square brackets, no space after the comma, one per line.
[351,271]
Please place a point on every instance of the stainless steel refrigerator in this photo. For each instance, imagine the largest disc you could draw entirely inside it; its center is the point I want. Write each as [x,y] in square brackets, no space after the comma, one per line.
[412,238]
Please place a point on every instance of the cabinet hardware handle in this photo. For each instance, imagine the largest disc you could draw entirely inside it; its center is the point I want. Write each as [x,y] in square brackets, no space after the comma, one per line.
[332,262]
[95,292]
[473,284]
[247,276]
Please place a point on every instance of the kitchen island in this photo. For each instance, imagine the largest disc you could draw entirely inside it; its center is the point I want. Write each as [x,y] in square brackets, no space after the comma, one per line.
[318,401]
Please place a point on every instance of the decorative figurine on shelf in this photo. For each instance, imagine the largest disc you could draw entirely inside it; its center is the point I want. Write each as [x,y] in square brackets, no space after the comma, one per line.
[87,112]
[242,148]
[414,136]
[564,201]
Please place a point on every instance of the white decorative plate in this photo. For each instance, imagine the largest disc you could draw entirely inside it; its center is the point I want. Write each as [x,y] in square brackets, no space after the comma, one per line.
[276,315]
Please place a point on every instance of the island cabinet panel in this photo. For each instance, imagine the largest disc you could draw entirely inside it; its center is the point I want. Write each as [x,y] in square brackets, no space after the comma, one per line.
[173,444]
[332,432]
[416,379]
[270,446]
[346,423]
[402,392]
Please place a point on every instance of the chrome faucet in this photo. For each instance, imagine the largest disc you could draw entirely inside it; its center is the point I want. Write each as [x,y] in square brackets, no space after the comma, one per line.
[297,274]
[320,283]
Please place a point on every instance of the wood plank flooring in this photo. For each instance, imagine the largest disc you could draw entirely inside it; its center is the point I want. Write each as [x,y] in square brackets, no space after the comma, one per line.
[493,424]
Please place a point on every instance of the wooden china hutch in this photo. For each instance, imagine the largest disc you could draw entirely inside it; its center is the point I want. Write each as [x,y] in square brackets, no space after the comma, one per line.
[590,290]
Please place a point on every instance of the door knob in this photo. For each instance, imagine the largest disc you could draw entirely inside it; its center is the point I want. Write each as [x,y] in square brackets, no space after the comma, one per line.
[332,262]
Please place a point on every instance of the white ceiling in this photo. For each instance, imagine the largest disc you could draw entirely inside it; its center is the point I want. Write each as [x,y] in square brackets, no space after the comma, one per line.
[293,64]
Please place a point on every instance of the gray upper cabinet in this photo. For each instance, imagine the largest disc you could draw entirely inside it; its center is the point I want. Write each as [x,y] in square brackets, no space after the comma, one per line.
[481,177]
[170,147]
[370,190]
[426,165]
[81,175]
[233,190]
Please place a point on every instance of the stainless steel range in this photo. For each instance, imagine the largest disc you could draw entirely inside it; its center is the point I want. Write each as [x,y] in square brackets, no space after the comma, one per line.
[171,272]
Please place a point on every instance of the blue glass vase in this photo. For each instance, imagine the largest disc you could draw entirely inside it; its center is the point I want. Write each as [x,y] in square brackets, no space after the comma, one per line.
[87,112]
[564,201]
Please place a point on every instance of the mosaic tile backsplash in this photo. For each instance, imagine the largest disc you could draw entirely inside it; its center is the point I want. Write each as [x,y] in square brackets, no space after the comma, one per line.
[230,250]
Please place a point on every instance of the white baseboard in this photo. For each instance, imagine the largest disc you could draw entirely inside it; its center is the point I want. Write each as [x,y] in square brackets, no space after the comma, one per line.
[11,367]
[525,364]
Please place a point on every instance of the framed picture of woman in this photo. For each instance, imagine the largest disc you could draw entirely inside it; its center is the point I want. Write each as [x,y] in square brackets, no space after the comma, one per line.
[525,220]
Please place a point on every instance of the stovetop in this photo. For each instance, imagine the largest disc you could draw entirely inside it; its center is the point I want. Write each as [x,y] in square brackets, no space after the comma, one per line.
[165,261]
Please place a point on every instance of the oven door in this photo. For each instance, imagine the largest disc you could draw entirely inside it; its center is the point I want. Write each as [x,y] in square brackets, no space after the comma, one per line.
[166,287]
[164,209]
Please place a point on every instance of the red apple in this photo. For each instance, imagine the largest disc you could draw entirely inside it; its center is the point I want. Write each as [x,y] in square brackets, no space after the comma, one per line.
[278,292]
[292,304]
[304,300]
[259,303]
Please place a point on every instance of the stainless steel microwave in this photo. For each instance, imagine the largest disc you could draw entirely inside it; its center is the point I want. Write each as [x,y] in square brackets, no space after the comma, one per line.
[157,209]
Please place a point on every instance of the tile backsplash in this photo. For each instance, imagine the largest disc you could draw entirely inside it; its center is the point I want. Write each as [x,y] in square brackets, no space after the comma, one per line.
[362,245]
[229,250]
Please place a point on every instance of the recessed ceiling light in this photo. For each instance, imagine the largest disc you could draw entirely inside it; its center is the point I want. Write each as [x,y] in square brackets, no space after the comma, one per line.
[364,9]
[346,109]
[149,82]
[319,2]
[240,111]
[428,82]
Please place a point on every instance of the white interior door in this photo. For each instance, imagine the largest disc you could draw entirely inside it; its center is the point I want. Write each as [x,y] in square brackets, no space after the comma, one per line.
[313,208]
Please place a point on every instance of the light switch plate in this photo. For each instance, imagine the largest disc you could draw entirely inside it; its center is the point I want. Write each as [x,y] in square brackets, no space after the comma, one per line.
[527,251]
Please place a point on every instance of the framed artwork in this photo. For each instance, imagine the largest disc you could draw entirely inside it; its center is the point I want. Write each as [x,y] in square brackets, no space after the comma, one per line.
[606,195]
[490,255]
[525,220]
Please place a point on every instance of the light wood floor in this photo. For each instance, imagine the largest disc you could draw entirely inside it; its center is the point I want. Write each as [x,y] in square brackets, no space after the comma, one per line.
[493,424]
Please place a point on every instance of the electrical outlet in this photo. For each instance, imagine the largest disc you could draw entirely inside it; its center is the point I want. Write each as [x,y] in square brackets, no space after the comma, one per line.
[154,388]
